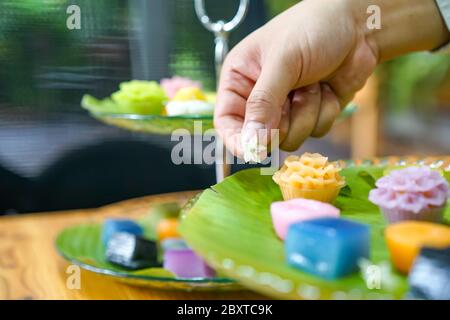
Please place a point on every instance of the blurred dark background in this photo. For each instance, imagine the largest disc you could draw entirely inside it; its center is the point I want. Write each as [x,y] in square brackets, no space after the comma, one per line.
[53,156]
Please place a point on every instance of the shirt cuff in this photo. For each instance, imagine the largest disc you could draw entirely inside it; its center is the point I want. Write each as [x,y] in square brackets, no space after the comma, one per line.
[444,8]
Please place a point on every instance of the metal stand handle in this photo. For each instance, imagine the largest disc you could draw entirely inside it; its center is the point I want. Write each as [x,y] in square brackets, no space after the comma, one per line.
[221,30]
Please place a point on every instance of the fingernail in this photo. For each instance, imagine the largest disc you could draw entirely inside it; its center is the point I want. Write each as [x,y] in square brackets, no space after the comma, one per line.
[251,129]
[313,88]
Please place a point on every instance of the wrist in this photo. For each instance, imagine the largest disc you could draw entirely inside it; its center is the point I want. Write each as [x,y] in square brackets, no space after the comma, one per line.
[406,26]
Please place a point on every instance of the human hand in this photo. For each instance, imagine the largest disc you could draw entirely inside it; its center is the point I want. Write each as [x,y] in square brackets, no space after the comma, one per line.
[299,70]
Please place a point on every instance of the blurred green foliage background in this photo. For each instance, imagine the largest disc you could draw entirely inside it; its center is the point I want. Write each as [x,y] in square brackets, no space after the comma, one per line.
[419,80]
[47,66]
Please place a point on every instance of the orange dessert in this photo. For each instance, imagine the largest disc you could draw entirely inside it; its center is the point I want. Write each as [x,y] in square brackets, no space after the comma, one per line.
[405,239]
[167,228]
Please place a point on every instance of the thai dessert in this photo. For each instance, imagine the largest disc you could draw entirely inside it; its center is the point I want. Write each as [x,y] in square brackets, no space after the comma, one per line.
[140,97]
[406,239]
[318,238]
[111,226]
[430,276]
[127,244]
[173,97]
[413,193]
[131,252]
[327,247]
[285,213]
[309,176]
[173,243]
[185,263]
[167,228]
[190,100]
[172,85]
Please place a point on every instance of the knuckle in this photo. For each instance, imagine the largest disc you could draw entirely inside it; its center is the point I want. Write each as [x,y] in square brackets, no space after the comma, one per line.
[290,145]
[259,100]
[320,134]
[323,127]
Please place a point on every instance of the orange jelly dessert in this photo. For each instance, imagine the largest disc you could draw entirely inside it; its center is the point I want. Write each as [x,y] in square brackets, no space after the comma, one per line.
[167,228]
[405,239]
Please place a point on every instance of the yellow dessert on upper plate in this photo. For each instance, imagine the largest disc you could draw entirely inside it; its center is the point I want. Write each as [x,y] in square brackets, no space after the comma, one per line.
[189,100]
[310,176]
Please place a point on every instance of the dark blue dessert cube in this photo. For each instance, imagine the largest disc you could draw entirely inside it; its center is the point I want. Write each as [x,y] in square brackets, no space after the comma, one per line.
[132,252]
[327,247]
[430,275]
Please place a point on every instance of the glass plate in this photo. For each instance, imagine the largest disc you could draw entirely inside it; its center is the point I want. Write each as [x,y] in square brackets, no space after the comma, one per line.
[159,124]
[230,226]
[82,245]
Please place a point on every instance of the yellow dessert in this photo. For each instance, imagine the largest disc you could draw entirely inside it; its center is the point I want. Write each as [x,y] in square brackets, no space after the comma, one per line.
[189,100]
[310,176]
[189,93]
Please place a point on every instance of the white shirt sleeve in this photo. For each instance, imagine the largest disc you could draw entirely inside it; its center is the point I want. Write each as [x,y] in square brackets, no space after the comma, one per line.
[444,8]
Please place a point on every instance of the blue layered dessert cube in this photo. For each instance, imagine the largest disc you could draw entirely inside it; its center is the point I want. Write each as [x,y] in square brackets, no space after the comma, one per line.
[132,252]
[327,247]
[112,226]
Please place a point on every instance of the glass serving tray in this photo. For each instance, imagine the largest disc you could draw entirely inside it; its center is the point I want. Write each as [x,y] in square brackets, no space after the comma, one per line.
[165,125]
[156,124]
[82,245]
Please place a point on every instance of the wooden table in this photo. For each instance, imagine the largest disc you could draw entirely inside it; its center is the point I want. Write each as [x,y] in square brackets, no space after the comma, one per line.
[30,267]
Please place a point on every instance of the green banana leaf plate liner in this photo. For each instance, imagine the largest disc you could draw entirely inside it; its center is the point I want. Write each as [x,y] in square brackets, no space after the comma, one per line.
[82,246]
[230,226]
[107,111]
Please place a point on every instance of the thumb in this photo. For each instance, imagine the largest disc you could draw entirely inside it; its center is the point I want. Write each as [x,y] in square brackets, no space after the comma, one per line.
[265,103]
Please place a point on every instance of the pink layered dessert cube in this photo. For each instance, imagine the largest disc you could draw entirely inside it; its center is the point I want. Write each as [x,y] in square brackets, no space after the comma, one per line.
[285,213]
[185,263]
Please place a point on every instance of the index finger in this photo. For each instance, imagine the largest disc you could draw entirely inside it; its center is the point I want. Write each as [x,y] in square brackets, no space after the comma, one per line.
[229,115]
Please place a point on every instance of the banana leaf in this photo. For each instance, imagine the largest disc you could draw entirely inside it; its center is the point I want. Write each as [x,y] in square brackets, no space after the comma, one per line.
[82,245]
[107,111]
[230,226]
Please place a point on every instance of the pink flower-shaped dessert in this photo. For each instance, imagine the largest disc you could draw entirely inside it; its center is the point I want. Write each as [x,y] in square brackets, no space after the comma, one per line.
[413,193]
[285,213]
[172,85]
